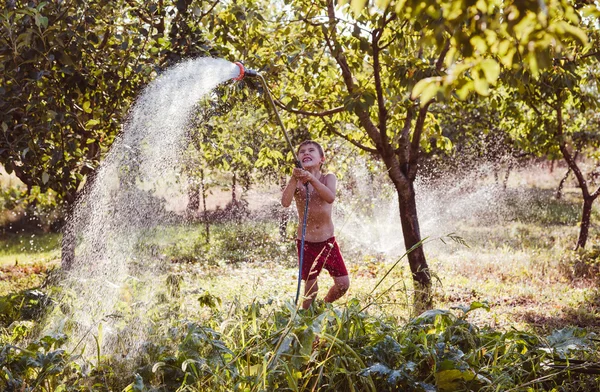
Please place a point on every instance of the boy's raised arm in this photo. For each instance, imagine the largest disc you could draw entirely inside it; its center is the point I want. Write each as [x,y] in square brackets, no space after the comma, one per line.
[325,190]
[288,192]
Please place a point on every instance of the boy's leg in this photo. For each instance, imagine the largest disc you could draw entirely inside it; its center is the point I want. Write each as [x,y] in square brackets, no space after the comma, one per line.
[339,288]
[310,292]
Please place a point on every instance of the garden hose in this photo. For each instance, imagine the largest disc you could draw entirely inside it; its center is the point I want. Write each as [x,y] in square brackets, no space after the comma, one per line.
[251,73]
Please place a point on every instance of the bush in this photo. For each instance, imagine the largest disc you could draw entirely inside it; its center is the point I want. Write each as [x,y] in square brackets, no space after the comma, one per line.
[231,243]
[25,305]
[581,264]
[30,211]
[265,347]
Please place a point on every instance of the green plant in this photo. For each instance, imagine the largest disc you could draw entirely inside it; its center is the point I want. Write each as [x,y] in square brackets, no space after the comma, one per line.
[25,305]
[581,264]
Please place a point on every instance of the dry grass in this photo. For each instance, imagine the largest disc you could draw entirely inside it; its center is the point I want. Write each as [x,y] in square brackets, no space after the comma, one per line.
[522,267]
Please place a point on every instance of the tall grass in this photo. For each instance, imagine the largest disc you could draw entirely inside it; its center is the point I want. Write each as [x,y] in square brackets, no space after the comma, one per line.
[517,310]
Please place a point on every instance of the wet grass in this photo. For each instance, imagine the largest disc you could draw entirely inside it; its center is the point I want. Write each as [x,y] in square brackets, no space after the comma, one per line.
[523,268]
[27,248]
[225,308]
[25,260]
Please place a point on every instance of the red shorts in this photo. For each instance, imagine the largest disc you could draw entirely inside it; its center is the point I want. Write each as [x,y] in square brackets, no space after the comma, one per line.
[319,255]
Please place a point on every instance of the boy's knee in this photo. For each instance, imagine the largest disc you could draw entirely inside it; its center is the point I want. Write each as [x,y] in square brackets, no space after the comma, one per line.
[343,284]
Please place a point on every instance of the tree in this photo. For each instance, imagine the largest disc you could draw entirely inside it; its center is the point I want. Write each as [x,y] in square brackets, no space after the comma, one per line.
[69,73]
[371,74]
[560,118]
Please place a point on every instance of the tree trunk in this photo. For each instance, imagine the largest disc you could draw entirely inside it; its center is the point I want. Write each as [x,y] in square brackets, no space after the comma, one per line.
[68,241]
[404,184]
[193,198]
[508,170]
[204,209]
[283,214]
[69,238]
[233,185]
[423,299]
[585,222]
[558,195]
[588,198]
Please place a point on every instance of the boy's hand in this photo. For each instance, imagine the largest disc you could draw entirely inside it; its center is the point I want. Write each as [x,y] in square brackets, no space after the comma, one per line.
[303,175]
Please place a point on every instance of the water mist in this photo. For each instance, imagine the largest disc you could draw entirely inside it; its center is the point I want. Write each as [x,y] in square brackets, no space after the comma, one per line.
[111,282]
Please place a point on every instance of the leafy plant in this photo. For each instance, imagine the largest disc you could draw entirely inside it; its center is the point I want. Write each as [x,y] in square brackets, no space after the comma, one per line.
[25,305]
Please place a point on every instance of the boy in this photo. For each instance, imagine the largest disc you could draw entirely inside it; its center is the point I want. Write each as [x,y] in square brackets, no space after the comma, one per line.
[320,248]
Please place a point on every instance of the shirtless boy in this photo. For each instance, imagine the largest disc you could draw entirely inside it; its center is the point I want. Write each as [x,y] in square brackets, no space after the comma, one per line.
[320,248]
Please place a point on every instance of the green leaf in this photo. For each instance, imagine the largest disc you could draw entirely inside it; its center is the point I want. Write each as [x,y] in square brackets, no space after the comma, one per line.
[453,379]
[41,21]
[481,86]
[575,32]
[136,386]
[157,366]
[86,107]
[591,11]
[357,6]
[491,70]
[425,89]
[570,339]
[45,178]
[91,122]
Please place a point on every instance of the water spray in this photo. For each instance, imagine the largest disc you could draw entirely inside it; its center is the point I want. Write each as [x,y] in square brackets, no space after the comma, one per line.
[245,72]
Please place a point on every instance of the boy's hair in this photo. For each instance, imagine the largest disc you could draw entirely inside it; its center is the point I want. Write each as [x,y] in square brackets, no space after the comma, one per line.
[306,142]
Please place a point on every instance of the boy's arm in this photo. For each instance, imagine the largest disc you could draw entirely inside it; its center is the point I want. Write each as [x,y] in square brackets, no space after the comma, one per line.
[288,192]
[327,189]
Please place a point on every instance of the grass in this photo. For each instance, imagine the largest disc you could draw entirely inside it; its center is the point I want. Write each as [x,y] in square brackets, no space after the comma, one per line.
[223,313]
[25,260]
[522,268]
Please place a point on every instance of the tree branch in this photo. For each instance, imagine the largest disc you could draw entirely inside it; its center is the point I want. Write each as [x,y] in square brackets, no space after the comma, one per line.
[405,136]
[136,9]
[210,9]
[325,113]
[332,129]
[340,58]
[416,140]
[565,152]
[440,61]
[383,112]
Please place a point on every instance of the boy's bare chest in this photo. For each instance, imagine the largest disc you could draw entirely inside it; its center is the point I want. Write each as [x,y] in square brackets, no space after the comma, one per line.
[302,190]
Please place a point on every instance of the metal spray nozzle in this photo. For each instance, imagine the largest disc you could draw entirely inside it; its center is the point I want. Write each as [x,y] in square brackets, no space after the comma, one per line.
[245,72]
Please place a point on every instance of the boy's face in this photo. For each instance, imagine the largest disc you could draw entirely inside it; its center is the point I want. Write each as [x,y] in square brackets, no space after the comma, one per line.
[310,156]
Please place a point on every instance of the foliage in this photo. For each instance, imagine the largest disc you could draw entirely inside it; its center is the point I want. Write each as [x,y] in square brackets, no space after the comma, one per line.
[26,305]
[582,264]
[69,70]
[373,75]
[30,210]
[264,347]
[270,345]
[230,243]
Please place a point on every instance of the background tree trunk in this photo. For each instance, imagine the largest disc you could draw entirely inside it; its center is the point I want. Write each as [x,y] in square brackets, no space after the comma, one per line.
[561,185]
[204,209]
[68,241]
[585,222]
[193,198]
[284,217]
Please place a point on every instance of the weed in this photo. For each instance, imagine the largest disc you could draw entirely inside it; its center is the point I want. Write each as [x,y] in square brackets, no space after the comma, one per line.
[259,347]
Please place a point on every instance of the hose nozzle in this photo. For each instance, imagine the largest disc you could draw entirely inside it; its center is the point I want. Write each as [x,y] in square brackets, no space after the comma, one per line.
[245,72]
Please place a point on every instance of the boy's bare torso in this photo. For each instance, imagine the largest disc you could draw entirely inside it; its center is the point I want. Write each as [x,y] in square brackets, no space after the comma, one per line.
[319,226]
